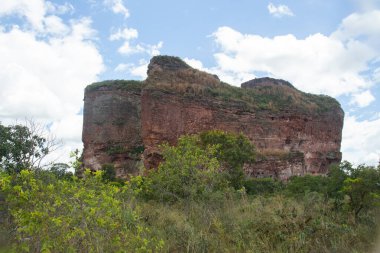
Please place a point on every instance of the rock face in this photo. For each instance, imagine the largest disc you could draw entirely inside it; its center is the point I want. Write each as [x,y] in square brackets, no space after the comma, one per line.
[125,121]
[112,126]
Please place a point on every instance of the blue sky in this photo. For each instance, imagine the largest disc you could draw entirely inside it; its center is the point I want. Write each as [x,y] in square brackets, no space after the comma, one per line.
[50,50]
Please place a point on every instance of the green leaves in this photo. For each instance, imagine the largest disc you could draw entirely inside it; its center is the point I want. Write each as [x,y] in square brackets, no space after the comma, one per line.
[72,215]
[22,147]
[362,188]
[198,167]
[188,172]
[232,151]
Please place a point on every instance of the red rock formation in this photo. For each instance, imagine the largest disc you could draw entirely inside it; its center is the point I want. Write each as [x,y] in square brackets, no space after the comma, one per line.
[295,132]
[112,126]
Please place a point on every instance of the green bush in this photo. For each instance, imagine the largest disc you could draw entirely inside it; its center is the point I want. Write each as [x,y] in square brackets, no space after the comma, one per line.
[308,183]
[109,173]
[188,172]
[73,216]
[262,186]
[362,188]
[232,150]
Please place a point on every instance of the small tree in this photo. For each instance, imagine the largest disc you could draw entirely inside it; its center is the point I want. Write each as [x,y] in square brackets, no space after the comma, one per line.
[233,151]
[362,188]
[24,147]
[109,173]
[188,172]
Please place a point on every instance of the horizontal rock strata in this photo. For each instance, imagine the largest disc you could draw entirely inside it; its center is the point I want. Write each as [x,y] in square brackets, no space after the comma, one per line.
[125,121]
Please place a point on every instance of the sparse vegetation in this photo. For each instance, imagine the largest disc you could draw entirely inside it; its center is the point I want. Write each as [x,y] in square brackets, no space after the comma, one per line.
[272,98]
[116,84]
[116,149]
[189,205]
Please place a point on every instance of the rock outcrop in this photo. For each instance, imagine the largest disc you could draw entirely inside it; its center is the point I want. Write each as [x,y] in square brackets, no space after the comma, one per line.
[125,121]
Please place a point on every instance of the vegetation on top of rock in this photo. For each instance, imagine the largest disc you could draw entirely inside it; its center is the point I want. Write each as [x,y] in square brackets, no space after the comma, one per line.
[115,85]
[272,98]
[259,94]
[168,62]
[265,81]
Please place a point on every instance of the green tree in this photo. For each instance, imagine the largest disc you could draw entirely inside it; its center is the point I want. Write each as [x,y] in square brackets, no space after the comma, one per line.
[187,172]
[299,186]
[109,173]
[233,151]
[61,170]
[23,147]
[363,188]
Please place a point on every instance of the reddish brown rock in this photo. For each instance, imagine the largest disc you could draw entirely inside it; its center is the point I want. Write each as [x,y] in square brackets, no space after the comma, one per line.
[294,132]
[112,126]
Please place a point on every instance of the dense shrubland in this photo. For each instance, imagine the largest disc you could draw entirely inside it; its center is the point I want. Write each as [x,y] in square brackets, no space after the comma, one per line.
[197,200]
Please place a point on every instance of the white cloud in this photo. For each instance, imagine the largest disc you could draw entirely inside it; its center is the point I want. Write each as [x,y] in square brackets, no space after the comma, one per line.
[117,7]
[362,99]
[68,127]
[122,67]
[137,70]
[43,77]
[128,48]
[153,50]
[341,63]
[318,63]
[359,25]
[126,33]
[376,75]
[33,10]
[140,70]
[226,76]
[359,142]
[55,25]
[367,5]
[59,9]
[197,64]
[38,14]
[279,10]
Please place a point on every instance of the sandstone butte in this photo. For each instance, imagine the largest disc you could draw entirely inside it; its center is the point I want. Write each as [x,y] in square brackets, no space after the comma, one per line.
[295,133]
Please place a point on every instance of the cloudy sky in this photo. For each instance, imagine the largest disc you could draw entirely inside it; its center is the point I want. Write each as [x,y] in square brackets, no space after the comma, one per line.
[50,50]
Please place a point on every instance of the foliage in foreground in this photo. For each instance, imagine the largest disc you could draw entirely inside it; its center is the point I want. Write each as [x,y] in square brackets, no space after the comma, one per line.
[191,204]
[260,224]
[89,215]
[199,167]
[72,215]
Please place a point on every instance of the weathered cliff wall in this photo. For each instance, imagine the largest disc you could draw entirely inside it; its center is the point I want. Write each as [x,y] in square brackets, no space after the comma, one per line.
[112,126]
[295,132]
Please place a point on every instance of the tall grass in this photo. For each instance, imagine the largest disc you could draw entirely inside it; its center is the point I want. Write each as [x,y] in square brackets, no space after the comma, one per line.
[259,224]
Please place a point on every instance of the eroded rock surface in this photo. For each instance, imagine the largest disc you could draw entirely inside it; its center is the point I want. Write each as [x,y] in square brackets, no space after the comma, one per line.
[125,121]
